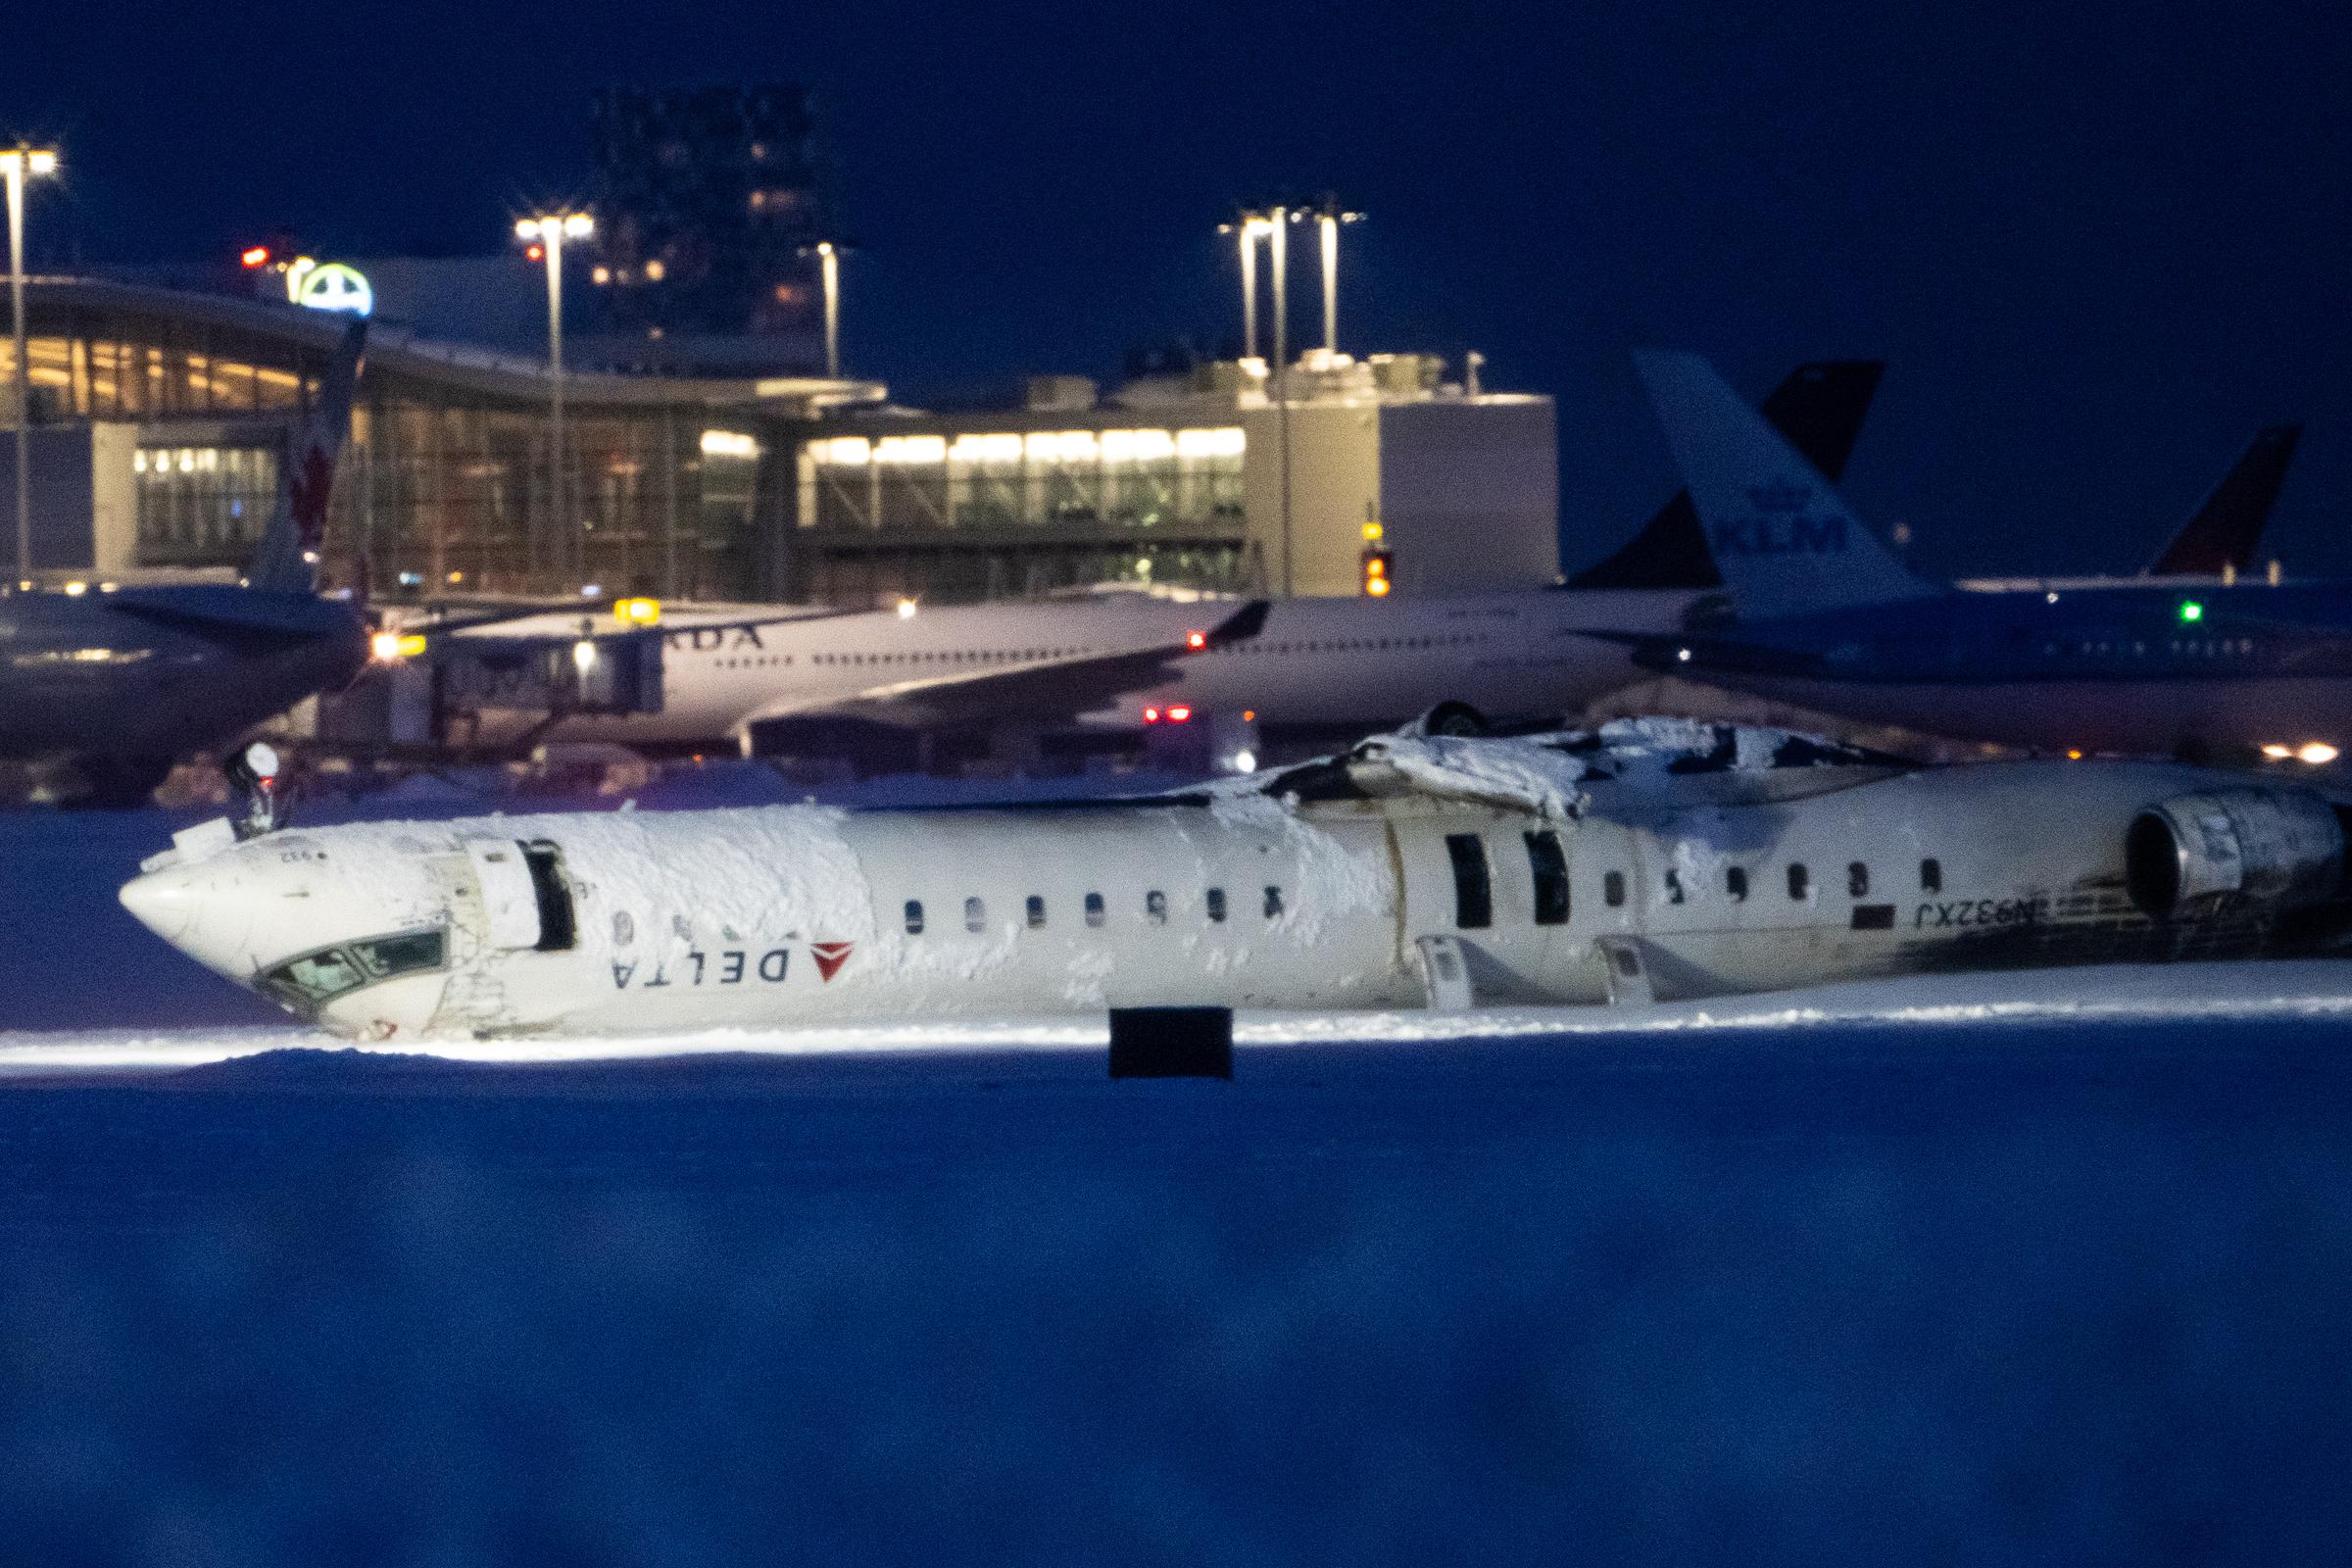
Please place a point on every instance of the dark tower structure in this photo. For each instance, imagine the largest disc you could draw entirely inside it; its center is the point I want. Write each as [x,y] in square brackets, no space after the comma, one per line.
[707,200]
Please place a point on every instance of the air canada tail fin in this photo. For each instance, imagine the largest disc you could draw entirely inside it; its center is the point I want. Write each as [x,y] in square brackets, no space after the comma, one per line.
[282,564]
[1779,534]
[2223,533]
[1820,408]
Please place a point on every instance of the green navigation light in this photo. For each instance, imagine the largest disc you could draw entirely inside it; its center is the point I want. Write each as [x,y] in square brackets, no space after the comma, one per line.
[2190,610]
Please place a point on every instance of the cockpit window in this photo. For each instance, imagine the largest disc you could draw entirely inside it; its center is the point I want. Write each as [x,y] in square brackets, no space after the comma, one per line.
[317,976]
[320,976]
[386,956]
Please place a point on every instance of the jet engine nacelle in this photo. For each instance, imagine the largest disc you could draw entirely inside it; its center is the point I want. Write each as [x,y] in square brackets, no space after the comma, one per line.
[2278,849]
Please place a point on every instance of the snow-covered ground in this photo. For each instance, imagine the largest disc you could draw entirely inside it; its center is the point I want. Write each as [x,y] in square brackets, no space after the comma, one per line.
[2054,1267]
[2162,995]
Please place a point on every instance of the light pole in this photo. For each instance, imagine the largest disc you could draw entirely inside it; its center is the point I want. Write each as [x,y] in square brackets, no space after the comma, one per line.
[16,164]
[1248,229]
[828,262]
[1330,218]
[549,231]
[828,254]
[1278,222]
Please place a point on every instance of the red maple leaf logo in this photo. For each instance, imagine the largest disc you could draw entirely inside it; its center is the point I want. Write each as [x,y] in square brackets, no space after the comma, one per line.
[306,493]
[829,956]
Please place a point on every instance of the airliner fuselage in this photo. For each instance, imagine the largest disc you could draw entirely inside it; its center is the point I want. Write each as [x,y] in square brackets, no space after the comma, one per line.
[2115,667]
[1337,664]
[1646,860]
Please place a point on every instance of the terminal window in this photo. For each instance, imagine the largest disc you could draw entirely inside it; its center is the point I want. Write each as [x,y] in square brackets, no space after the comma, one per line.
[202,506]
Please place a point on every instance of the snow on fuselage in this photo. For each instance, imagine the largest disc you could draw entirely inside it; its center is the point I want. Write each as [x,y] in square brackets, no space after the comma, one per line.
[1708,860]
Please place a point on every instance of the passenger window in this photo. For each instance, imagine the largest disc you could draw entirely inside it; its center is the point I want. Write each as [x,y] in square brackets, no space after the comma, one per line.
[1612,889]
[1550,867]
[1673,887]
[1273,904]
[1037,912]
[1473,894]
[914,917]
[1094,909]
[1155,906]
[1857,879]
[975,914]
[1800,882]
[1216,905]
[1931,877]
[1735,883]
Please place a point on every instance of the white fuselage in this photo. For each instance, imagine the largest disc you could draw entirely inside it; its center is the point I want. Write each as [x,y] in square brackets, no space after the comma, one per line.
[780,916]
[1337,662]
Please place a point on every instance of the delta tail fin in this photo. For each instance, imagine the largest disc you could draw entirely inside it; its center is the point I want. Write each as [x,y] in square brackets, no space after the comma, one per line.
[1783,539]
[1820,408]
[307,477]
[2223,534]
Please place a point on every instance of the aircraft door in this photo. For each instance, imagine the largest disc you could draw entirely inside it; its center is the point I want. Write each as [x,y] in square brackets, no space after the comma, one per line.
[1496,887]
[1608,889]
[509,901]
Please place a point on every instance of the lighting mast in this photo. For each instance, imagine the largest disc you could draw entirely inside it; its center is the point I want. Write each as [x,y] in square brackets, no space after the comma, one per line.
[1248,229]
[548,231]
[1329,216]
[16,164]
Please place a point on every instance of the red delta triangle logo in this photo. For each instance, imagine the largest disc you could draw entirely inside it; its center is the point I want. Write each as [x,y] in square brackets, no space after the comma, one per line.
[829,956]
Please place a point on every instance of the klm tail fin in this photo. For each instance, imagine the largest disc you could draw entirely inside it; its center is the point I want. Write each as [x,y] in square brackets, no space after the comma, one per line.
[2223,533]
[1820,408]
[307,475]
[1780,534]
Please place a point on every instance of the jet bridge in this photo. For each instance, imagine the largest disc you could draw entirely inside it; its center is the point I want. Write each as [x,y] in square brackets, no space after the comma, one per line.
[609,674]
[432,687]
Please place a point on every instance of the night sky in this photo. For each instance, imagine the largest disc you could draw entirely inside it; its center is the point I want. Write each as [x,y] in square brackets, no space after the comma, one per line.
[2099,247]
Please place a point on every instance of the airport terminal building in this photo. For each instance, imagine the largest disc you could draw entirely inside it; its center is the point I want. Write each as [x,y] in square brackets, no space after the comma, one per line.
[159,413]
[1203,479]
[159,416]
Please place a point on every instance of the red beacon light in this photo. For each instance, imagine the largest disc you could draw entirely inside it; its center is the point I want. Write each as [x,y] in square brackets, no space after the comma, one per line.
[254,255]
[1150,715]
[535,253]
[1197,641]
[254,773]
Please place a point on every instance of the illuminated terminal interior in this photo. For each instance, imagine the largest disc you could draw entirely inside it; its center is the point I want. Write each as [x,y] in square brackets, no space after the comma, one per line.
[446,480]
[992,513]
[746,489]
[201,505]
[1133,479]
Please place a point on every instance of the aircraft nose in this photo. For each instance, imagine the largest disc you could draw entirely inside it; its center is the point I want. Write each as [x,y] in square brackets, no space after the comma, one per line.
[193,910]
[162,901]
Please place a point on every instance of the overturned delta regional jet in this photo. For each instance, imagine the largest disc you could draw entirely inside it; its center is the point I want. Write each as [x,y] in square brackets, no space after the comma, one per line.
[1649,859]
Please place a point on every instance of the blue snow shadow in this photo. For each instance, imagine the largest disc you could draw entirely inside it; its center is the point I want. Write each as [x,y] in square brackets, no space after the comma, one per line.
[1856,1293]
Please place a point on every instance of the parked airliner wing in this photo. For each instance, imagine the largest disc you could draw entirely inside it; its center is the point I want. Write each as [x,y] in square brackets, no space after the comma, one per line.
[1044,689]
[225,612]
[561,622]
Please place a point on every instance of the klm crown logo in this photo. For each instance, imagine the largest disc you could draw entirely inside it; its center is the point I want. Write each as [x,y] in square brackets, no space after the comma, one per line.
[1779,496]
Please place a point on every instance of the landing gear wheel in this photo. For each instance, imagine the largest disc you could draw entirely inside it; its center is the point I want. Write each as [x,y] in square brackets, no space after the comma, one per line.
[1455,718]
